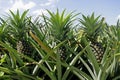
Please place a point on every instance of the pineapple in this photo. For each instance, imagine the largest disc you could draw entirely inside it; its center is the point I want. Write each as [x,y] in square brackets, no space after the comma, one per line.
[98,50]
[60,30]
[23,47]
[92,27]
[19,31]
[62,51]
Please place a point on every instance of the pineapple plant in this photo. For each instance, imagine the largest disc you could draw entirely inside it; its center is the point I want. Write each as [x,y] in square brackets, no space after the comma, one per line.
[59,27]
[18,26]
[58,31]
[92,28]
[113,37]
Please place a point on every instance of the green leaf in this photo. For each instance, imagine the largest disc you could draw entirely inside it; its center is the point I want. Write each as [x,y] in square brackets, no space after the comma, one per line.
[1,73]
[13,54]
[72,63]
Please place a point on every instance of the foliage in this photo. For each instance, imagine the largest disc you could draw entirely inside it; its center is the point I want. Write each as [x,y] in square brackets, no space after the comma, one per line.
[60,51]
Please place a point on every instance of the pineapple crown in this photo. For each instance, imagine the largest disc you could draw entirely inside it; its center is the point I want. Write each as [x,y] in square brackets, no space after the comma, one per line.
[92,25]
[60,24]
[18,24]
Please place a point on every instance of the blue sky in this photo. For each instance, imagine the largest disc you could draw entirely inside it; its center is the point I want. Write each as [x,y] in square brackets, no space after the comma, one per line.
[109,9]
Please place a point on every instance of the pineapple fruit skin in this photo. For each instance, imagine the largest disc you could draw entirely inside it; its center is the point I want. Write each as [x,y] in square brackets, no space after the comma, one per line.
[24,47]
[62,51]
[98,50]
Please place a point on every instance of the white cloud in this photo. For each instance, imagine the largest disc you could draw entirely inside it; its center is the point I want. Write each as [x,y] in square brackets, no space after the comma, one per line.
[39,12]
[48,3]
[11,1]
[20,5]
[118,17]
[29,5]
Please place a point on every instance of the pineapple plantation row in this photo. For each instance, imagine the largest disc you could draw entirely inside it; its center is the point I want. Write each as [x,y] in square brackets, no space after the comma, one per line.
[58,46]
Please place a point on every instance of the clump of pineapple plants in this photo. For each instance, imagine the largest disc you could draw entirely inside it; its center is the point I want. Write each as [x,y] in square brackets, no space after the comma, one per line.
[60,46]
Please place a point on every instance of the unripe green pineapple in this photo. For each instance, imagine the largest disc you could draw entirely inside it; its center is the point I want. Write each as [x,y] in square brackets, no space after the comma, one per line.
[24,47]
[92,27]
[98,50]
[62,51]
